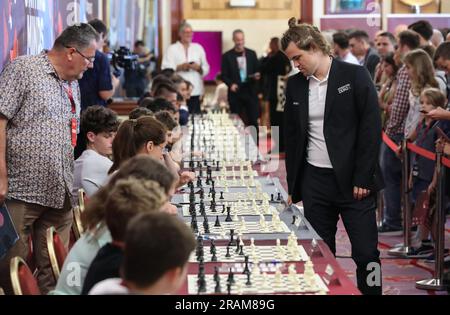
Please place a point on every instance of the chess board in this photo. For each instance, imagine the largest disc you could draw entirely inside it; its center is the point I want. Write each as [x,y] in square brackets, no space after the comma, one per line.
[230,197]
[246,209]
[229,173]
[260,253]
[262,284]
[250,228]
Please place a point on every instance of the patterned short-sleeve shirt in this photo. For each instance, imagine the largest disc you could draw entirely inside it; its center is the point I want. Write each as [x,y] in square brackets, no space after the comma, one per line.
[39,153]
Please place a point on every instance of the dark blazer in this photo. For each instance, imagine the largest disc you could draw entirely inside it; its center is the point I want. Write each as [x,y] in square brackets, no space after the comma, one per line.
[230,69]
[352,129]
[371,61]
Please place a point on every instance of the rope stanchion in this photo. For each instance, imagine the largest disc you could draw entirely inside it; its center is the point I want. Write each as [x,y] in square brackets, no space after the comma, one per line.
[405,249]
[437,283]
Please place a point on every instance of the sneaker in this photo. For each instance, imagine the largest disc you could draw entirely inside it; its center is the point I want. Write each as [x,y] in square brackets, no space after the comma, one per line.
[430,259]
[421,252]
[388,231]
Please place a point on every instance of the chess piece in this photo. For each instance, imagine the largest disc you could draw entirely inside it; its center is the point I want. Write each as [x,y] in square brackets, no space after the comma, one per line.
[213,246]
[199,182]
[271,198]
[232,241]
[294,218]
[228,255]
[278,276]
[243,225]
[217,224]
[221,196]
[231,277]
[237,247]
[241,251]
[206,227]
[235,218]
[214,257]
[228,218]
[249,282]
[246,268]
[279,197]
[218,288]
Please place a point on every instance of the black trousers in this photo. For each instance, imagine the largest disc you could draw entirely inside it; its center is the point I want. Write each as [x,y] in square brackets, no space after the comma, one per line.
[323,203]
[245,104]
[194,105]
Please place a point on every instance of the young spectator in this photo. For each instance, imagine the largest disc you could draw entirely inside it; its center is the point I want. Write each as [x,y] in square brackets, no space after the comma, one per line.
[148,236]
[98,128]
[360,47]
[129,198]
[183,109]
[145,135]
[341,48]
[96,234]
[425,31]
[220,100]
[166,91]
[173,157]
[391,165]
[421,177]
[387,92]
[139,112]
[386,43]
[421,73]
[160,104]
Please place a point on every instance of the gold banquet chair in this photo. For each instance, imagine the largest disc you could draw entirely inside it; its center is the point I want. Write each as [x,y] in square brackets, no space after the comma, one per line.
[57,253]
[22,279]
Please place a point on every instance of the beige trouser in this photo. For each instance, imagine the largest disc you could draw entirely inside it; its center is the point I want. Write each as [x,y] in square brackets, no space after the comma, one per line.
[31,219]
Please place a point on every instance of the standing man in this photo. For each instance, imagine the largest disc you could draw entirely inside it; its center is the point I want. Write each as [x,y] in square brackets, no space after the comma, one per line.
[39,115]
[98,84]
[333,135]
[189,61]
[341,48]
[240,71]
[360,47]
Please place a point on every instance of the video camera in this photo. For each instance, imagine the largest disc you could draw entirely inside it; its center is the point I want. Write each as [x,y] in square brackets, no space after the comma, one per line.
[123,58]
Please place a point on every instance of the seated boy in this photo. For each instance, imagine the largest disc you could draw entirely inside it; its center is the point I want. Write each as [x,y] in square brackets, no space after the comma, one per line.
[149,236]
[98,128]
[128,198]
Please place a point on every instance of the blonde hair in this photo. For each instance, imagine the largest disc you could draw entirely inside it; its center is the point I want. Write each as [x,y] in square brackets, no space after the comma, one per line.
[305,37]
[423,67]
[128,198]
[435,97]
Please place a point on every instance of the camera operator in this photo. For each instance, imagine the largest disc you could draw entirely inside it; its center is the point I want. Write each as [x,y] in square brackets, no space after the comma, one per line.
[136,77]
[98,85]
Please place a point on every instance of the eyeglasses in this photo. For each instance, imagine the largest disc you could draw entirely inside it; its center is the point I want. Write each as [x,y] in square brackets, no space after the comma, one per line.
[90,59]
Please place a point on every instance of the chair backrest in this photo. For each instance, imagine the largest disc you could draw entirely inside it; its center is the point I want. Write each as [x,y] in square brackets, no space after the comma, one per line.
[82,199]
[2,292]
[77,226]
[56,251]
[22,279]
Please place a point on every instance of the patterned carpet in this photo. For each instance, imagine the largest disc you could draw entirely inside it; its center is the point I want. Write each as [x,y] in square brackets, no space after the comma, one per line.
[399,275]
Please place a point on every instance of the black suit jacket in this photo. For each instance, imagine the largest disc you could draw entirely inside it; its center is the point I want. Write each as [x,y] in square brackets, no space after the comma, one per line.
[230,70]
[352,129]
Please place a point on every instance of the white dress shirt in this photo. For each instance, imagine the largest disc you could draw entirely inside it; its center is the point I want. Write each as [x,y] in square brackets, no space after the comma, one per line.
[317,148]
[350,58]
[177,55]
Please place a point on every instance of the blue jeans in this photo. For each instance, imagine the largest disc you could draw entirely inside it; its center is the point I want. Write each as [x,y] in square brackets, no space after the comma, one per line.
[392,171]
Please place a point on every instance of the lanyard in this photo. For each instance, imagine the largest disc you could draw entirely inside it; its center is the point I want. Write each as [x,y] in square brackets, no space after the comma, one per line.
[73,121]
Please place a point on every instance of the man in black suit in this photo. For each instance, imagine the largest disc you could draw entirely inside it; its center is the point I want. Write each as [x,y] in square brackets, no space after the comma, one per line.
[333,135]
[359,42]
[240,71]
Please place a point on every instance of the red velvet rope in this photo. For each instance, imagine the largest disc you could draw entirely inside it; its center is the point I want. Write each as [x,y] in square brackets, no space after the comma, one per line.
[414,148]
